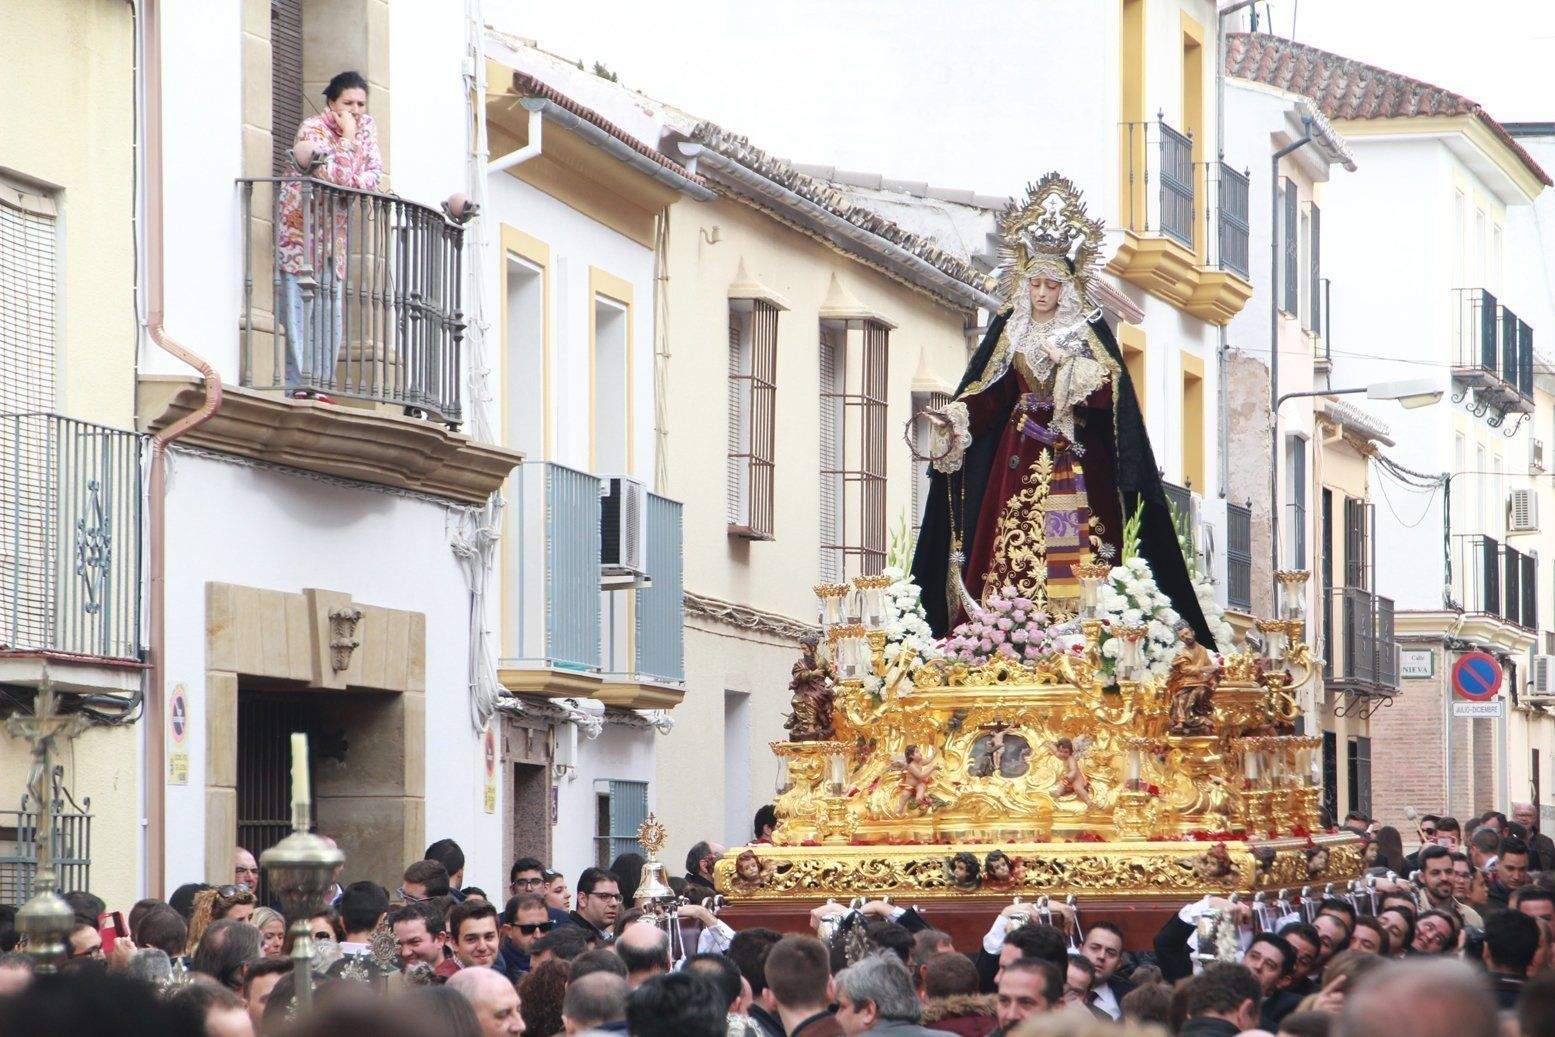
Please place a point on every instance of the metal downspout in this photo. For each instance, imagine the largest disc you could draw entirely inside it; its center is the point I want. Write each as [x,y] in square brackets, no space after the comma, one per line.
[154,774]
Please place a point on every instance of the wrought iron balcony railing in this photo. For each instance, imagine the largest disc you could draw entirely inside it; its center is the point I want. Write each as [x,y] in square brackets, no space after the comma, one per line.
[359,298]
[1160,195]
[1361,647]
[72,843]
[1225,218]
[70,537]
[1493,349]
[1476,583]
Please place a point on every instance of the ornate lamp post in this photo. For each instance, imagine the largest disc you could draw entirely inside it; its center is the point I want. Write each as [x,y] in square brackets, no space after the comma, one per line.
[300,869]
[45,921]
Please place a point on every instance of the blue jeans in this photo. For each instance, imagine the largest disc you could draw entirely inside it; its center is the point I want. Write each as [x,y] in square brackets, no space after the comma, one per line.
[313,330]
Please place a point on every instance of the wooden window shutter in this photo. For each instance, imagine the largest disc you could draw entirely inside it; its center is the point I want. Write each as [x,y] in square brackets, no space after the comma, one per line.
[1292,250]
[1355,545]
[1315,287]
[832,344]
[286,102]
[752,419]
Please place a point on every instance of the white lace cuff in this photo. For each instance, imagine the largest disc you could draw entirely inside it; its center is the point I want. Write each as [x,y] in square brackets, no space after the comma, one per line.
[956,440]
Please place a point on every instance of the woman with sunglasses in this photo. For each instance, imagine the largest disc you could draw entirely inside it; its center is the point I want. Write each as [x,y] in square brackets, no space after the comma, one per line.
[523,921]
[213,905]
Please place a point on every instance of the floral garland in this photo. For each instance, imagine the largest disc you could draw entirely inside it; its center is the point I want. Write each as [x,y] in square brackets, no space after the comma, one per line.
[1013,628]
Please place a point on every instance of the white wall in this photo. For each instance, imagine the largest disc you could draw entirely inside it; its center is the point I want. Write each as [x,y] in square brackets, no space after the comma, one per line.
[619,754]
[238,525]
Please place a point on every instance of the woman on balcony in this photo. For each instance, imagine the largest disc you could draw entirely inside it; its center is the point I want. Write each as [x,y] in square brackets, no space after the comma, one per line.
[338,146]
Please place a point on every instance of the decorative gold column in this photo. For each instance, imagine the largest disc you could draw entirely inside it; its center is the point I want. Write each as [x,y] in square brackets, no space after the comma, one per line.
[801,805]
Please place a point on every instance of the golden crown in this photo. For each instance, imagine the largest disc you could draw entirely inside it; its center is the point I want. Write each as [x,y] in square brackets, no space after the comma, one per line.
[1048,232]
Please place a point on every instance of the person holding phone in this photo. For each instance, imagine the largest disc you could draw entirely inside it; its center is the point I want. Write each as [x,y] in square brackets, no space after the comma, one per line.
[338,146]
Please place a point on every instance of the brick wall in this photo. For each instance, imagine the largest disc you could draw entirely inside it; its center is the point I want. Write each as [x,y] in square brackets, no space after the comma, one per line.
[1406,750]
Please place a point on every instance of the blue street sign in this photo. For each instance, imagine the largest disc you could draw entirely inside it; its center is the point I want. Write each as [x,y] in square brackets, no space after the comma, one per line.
[1476,676]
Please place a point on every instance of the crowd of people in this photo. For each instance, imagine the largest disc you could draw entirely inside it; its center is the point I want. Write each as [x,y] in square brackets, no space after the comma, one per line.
[1453,939]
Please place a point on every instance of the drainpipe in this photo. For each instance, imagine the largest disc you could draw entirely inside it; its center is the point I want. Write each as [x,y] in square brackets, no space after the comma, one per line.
[1223,389]
[536,109]
[155,775]
[1274,351]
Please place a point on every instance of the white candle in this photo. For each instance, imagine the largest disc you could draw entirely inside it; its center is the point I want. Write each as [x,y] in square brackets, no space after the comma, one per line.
[300,793]
[1250,762]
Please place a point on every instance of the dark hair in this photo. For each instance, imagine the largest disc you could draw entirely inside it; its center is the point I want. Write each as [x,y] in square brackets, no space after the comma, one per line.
[926,943]
[95,1001]
[342,82]
[1485,840]
[430,874]
[272,966]
[361,905]
[695,856]
[1449,823]
[86,906]
[565,943]
[225,947]
[628,870]
[1371,923]
[592,877]
[677,1004]
[518,903]
[1356,815]
[1307,1024]
[974,867]
[1512,938]
[1512,845]
[949,974]
[525,864]
[1106,927]
[164,929]
[796,968]
[1279,943]
[748,950]
[1052,976]
[1409,921]
[1513,828]
[1305,931]
[1081,962]
[890,936]
[470,910]
[1530,894]
[9,937]
[426,913]
[600,959]
[1041,941]
[1435,851]
[182,899]
[540,998]
[721,971]
[1222,987]
[1536,1006]
[1344,907]
[329,915]
[1390,849]
[1150,1003]
[445,851]
[766,816]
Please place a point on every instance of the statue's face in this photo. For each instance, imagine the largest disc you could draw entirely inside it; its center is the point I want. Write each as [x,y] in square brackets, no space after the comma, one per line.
[1044,295]
[1188,637]
[999,868]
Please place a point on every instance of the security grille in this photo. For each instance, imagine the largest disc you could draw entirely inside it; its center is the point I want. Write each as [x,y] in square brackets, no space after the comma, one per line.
[752,418]
[19,843]
[266,722]
[622,807]
[28,300]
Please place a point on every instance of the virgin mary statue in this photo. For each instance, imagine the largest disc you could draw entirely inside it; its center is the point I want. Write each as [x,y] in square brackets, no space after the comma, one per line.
[1043,454]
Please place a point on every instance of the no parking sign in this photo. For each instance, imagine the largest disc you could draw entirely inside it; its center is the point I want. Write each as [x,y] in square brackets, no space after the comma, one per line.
[1476,681]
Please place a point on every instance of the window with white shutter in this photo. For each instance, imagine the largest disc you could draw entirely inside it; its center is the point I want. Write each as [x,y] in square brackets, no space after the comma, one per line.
[752,417]
[28,300]
[853,450]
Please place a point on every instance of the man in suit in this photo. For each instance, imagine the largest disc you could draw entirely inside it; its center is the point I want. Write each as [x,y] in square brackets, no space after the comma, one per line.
[1541,848]
[799,985]
[1103,948]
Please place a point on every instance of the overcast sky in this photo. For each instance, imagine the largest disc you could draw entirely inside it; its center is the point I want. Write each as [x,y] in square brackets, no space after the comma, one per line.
[845,83]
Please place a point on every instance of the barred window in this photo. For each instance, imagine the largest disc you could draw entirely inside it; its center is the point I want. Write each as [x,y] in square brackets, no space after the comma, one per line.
[853,376]
[922,402]
[752,417]
[28,300]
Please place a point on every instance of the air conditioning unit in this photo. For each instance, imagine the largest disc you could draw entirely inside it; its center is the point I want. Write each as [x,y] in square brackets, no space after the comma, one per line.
[623,530]
[1543,681]
[1522,512]
[1535,455]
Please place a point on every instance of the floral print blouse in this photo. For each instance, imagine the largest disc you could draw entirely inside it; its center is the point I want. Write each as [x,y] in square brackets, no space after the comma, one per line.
[349,162]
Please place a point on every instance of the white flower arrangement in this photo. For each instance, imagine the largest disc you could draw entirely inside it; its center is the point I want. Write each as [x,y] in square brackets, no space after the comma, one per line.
[906,624]
[1214,615]
[1130,598]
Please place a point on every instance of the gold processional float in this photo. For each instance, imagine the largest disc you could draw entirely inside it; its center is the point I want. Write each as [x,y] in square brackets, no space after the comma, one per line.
[1078,771]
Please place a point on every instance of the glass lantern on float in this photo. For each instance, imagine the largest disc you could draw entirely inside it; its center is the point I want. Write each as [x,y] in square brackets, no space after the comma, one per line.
[1275,642]
[1131,657]
[1293,593]
[852,652]
[784,781]
[1091,576]
[869,599]
[831,599]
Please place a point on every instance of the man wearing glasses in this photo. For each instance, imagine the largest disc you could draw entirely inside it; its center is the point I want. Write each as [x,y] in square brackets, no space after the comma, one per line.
[524,920]
[1427,830]
[599,902]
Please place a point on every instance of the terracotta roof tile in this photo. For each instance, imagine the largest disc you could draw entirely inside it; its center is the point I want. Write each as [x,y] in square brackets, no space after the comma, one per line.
[1344,88]
[528,84]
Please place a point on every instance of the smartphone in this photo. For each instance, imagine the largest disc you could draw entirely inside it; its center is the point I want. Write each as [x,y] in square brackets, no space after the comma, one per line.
[111,926]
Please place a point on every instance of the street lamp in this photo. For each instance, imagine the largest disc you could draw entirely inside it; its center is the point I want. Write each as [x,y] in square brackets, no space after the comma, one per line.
[300,869]
[1409,393]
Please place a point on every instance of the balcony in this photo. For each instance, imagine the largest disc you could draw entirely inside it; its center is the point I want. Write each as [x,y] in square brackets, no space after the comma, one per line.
[1492,354]
[70,553]
[1492,579]
[1361,650]
[1185,223]
[564,635]
[72,843]
[365,306]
